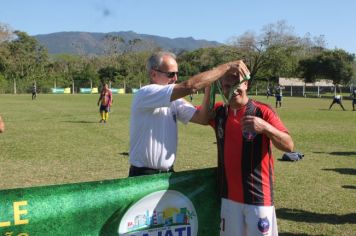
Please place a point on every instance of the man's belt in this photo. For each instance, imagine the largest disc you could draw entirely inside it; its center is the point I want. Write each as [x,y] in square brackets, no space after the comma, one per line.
[137,171]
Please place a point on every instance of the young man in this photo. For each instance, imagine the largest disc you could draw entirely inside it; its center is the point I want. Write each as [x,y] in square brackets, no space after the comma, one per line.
[245,130]
[105,101]
[157,107]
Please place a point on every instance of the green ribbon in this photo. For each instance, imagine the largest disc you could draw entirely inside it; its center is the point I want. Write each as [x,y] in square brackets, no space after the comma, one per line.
[217,86]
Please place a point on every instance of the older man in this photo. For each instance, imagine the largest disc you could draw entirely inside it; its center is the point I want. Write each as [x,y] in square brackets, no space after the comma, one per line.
[157,107]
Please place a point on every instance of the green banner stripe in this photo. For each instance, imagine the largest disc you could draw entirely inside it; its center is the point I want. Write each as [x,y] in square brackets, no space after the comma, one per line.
[96,208]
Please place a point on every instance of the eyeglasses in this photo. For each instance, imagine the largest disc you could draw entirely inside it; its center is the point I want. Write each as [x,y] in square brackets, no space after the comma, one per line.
[168,74]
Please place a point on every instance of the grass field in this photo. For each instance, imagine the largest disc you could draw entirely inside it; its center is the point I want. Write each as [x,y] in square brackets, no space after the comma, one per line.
[57,139]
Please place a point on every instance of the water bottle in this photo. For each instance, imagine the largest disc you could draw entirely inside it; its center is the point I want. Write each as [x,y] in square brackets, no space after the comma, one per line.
[250,111]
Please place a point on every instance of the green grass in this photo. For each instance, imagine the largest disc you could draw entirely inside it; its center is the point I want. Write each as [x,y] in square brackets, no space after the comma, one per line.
[57,139]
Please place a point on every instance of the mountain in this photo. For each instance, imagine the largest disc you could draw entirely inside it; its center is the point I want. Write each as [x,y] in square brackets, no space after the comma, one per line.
[99,43]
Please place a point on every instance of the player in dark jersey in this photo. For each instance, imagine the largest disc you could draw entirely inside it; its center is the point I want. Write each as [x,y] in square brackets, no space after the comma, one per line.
[34,91]
[278,96]
[338,100]
[245,130]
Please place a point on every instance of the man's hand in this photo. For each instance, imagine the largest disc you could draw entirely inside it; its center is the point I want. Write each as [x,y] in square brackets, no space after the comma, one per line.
[254,123]
[280,140]
[239,69]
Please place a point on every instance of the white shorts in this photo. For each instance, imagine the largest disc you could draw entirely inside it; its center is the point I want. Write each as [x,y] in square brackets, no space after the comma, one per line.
[239,219]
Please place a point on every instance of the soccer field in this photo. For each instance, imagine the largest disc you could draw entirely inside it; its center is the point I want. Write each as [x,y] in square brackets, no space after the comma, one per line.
[58,139]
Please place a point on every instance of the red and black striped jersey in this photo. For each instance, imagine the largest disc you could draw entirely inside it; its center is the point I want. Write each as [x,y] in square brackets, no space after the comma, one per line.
[246,168]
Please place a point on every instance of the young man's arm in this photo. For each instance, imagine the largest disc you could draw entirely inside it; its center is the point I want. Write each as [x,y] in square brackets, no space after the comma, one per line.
[204,79]
[202,115]
[281,140]
[110,98]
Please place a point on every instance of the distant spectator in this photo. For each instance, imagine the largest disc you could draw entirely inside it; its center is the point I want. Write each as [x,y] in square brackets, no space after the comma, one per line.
[191,97]
[34,91]
[278,95]
[2,125]
[268,92]
[337,99]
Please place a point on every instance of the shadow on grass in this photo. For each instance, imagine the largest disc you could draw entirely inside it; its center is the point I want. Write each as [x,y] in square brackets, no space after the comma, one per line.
[280,159]
[343,153]
[311,217]
[80,121]
[338,153]
[124,154]
[344,171]
[349,186]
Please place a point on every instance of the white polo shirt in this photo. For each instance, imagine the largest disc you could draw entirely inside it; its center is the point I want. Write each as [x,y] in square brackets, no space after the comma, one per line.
[153,126]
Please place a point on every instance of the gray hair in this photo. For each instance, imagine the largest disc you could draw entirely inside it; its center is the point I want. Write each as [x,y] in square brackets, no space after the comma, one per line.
[156,59]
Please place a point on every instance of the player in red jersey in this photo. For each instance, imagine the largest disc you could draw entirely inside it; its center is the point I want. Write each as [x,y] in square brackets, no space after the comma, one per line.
[245,130]
[105,101]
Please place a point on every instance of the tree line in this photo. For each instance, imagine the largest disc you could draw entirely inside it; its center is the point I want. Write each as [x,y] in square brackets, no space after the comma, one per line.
[275,52]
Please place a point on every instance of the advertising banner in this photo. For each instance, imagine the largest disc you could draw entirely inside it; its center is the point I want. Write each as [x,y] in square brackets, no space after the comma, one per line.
[57,90]
[172,204]
[85,90]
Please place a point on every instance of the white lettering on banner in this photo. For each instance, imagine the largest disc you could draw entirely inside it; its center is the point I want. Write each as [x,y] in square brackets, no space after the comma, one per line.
[182,231]
[161,213]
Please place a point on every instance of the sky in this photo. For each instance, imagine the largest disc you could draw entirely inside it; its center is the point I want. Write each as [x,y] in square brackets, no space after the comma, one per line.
[215,20]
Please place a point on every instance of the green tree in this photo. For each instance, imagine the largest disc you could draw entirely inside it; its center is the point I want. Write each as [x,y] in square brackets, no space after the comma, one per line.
[275,52]
[86,76]
[25,60]
[68,71]
[335,65]
[193,62]
[107,74]
[132,69]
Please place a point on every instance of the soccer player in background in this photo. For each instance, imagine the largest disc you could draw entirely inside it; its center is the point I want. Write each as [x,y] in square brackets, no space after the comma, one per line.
[278,95]
[34,91]
[337,99]
[105,102]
